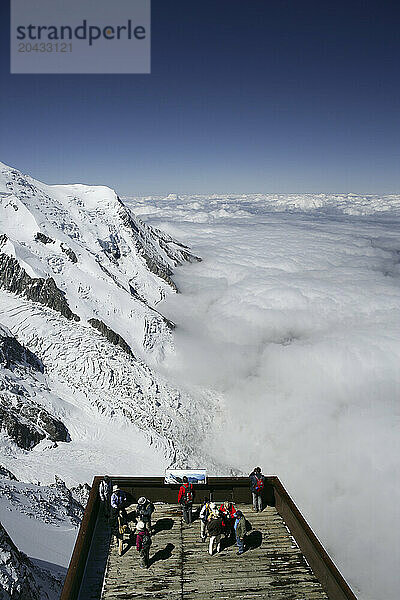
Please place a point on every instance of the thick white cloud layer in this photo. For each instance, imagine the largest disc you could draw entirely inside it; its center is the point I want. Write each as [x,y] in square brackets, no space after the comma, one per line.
[293,318]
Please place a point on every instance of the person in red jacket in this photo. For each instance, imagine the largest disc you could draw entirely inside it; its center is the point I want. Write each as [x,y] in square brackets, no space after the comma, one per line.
[228,510]
[185,499]
[257,484]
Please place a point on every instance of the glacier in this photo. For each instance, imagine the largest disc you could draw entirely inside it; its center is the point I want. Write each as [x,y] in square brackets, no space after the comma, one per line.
[81,339]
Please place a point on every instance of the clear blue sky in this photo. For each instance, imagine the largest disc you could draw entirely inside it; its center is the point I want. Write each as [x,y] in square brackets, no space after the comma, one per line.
[249,95]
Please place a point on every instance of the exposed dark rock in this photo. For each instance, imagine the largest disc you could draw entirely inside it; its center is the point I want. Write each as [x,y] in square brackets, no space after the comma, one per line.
[149,241]
[126,217]
[136,294]
[159,269]
[81,493]
[41,237]
[54,428]
[45,291]
[12,353]
[17,572]
[111,248]
[170,324]
[111,336]
[70,253]
[28,424]
[6,474]
[24,435]
[184,252]
[23,419]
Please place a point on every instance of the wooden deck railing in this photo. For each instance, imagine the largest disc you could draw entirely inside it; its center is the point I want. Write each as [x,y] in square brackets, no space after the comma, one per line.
[219,488]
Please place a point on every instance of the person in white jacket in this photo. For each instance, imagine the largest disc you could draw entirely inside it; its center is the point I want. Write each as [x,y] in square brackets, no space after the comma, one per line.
[105,491]
[204,514]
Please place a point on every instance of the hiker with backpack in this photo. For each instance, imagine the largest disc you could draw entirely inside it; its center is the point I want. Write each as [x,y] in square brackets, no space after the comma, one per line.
[240,530]
[204,514]
[257,481]
[144,510]
[214,529]
[118,503]
[105,491]
[228,510]
[121,532]
[143,542]
[185,499]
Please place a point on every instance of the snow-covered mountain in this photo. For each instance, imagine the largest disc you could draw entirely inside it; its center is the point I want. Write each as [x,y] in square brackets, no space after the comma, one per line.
[77,249]
[20,578]
[35,515]
[81,339]
[80,278]
[23,418]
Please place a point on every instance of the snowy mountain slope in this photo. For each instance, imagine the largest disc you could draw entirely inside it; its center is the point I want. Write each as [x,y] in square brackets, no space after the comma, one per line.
[80,341]
[79,278]
[20,579]
[103,379]
[41,519]
[22,417]
[79,250]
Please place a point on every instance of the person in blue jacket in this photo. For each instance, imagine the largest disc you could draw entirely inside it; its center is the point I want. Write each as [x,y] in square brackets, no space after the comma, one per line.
[257,482]
[240,530]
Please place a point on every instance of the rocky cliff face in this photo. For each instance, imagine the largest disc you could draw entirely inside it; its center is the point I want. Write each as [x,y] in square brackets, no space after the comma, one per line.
[17,573]
[158,249]
[14,278]
[22,418]
[12,354]
[20,577]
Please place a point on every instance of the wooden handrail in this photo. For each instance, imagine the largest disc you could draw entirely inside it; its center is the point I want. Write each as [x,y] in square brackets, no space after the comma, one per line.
[80,553]
[321,563]
[319,560]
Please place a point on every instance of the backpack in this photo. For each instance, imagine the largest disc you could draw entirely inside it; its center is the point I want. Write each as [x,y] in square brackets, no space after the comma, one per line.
[119,497]
[188,494]
[205,511]
[145,510]
[146,542]
[259,486]
[123,526]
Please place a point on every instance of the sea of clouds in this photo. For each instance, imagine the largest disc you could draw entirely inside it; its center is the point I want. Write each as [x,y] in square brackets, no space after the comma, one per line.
[293,319]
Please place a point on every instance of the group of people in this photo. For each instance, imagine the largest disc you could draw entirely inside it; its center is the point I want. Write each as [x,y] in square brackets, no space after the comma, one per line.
[216,521]
[115,501]
[224,520]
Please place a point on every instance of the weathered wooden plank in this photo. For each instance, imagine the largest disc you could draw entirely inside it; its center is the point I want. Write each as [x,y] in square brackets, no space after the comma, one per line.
[182,569]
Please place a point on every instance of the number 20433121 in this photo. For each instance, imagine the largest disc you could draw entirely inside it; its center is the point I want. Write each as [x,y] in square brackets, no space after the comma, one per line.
[45,47]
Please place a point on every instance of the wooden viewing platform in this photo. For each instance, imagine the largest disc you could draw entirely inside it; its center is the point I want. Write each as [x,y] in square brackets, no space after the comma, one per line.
[283,558]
